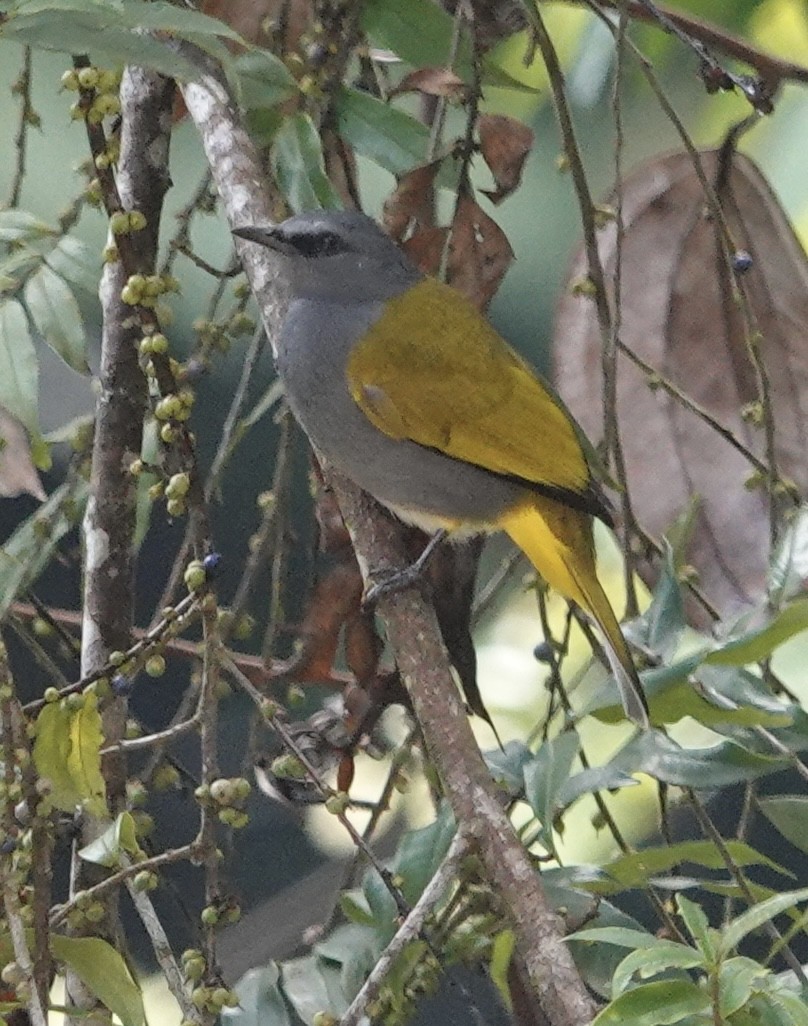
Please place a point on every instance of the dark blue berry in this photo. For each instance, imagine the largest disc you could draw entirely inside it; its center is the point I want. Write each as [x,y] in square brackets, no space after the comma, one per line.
[121,684]
[543,652]
[741,261]
[211,562]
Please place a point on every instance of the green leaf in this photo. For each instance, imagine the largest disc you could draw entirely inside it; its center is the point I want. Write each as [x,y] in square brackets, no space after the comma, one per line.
[698,927]
[654,1004]
[795,1010]
[620,936]
[17,225]
[77,262]
[383,134]
[661,957]
[67,753]
[55,312]
[735,931]
[507,765]
[297,163]
[738,979]
[69,31]
[421,852]
[759,644]
[789,567]
[381,904]
[545,776]
[719,766]
[311,985]
[355,908]
[660,627]
[638,868]
[596,778]
[264,79]
[789,813]
[260,1001]
[101,969]
[417,31]
[19,368]
[501,953]
[118,839]
[30,548]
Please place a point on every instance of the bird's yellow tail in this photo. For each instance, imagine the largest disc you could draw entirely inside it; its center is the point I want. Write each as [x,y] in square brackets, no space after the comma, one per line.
[558,541]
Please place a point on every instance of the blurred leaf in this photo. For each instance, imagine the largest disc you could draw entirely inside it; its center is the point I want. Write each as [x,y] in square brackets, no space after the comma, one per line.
[545,776]
[735,931]
[311,986]
[678,306]
[17,471]
[759,644]
[355,908]
[55,312]
[417,31]
[103,971]
[74,260]
[260,1001]
[660,627]
[421,852]
[387,136]
[659,957]
[19,369]
[701,768]
[265,79]
[297,163]
[654,1004]
[31,547]
[16,225]
[789,814]
[636,869]
[596,778]
[507,765]
[499,964]
[621,936]
[118,839]
[381,903]
[738,979]
[788,573]
[120,33]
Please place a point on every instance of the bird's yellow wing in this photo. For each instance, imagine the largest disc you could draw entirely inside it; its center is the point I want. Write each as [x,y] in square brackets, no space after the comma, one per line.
[433,370]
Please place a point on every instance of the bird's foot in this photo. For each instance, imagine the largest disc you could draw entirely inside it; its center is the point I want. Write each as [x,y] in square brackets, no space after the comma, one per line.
[391,581]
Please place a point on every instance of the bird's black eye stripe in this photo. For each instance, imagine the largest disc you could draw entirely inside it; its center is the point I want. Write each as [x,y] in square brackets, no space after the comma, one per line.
[317,244]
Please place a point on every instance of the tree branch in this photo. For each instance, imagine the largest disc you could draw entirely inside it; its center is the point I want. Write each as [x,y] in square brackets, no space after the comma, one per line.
[412,628]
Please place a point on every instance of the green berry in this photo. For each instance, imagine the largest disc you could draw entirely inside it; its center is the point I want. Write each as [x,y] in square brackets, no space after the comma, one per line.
[195,576]
[155,666]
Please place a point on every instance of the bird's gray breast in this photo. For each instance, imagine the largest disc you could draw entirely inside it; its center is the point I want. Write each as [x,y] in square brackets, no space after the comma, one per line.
[313,353]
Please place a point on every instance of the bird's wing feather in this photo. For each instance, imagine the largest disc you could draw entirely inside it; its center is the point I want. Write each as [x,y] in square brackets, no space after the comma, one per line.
[475,400]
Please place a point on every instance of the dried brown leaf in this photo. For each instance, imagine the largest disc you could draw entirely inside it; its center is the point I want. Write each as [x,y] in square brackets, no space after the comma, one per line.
[413,200]
[432,82]
[334,599]
[678,314]
[504,144]
[18,474]
[479,253]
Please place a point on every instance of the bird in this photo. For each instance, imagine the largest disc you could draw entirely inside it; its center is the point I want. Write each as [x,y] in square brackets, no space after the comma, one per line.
[406,388]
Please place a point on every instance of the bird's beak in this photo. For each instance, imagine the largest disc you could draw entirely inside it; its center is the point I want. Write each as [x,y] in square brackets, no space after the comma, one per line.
[265,235]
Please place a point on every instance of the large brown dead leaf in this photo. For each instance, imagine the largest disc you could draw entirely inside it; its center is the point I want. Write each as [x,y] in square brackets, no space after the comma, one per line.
[679,316]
